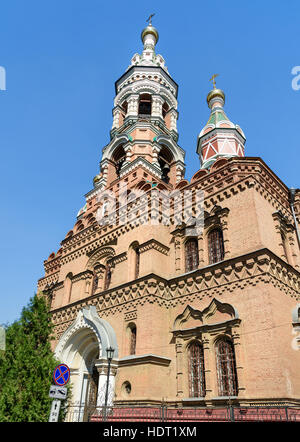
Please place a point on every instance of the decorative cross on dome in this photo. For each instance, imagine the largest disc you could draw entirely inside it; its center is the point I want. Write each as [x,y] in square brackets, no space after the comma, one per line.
[149,19]
[213,80]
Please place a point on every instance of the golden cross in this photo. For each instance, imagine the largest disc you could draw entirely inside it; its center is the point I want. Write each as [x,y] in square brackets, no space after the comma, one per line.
[149,19]
[213,80]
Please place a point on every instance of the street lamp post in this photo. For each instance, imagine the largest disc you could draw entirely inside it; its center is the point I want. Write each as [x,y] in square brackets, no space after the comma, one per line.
[110,354]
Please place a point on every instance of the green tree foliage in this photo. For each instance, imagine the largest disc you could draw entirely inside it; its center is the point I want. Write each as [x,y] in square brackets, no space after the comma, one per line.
[26,366]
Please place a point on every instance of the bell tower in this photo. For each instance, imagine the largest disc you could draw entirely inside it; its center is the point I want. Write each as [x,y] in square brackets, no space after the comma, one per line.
[143,137]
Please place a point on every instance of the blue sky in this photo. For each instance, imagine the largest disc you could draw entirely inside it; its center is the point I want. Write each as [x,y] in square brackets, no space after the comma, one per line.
[62,59]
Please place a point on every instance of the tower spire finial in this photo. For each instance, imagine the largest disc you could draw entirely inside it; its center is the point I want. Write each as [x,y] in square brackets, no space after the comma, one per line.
[149,19]
[213,79]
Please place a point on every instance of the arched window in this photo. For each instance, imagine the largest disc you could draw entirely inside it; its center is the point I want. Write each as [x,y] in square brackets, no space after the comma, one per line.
[68,287]
[196,370]
[165,159]
[226,368]
[191,255]
[95,282]
[119,158]
[215,246]
[145,104]
[137,262]
[132,340]
[107,280]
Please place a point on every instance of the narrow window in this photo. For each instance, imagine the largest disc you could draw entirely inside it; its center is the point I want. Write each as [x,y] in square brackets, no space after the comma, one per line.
[196,370]
[137,262]
[132,340]
[226,368]
[119,157]
[283,241]
[165,109]
[124,109]
[95,283]
[107,277]
[215,246]
[68,287]
[191,255]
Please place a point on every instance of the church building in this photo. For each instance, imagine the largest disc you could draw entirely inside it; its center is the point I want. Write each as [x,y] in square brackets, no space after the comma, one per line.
[193,285]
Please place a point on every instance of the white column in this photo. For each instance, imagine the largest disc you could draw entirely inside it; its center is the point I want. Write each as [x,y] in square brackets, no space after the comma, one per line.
[116,118]
[128,151]
[157,103]
[155,149]
[102,367]
[133,103]
[173,120]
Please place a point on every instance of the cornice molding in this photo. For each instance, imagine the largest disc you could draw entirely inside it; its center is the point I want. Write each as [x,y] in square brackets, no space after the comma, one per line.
[129,361]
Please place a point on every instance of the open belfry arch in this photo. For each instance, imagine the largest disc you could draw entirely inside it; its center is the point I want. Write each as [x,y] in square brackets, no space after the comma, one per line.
[195,316]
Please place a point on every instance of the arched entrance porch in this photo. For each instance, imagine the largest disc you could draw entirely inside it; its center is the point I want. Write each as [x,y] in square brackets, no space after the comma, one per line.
[83,348]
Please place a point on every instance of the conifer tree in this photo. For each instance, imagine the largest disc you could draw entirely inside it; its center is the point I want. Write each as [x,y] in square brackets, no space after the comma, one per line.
[26,366]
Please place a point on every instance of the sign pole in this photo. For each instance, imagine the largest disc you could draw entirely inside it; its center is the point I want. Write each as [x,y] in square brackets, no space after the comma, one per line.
[58,392]
[54,413]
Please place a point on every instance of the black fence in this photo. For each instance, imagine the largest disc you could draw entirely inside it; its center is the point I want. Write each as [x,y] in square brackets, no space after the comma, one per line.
[164,413]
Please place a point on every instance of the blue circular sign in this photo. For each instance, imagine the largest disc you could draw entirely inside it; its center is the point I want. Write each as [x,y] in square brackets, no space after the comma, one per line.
[61,375]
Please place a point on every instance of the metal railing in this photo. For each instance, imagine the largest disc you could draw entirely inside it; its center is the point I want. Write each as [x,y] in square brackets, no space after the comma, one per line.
[165,413]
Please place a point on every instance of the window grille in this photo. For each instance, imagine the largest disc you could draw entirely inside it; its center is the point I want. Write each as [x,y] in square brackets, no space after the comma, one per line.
[226,368]
[215,246]
[196,370]
[191,255]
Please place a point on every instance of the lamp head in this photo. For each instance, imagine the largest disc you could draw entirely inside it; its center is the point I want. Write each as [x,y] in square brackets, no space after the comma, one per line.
[110,353]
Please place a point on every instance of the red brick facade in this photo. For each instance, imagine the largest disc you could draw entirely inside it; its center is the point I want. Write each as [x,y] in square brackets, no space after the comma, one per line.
[248,295]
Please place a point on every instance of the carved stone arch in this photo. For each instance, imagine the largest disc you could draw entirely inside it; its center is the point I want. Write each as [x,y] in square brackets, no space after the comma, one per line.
[87,323]
[118,141]
[182,183]
[177,152]
[216,218]
[168,97]
[145,86]
[122,95]
[219,163]
[199,174]
[99,255]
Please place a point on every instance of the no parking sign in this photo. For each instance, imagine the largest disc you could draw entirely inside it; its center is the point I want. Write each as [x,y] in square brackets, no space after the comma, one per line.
[61,375]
